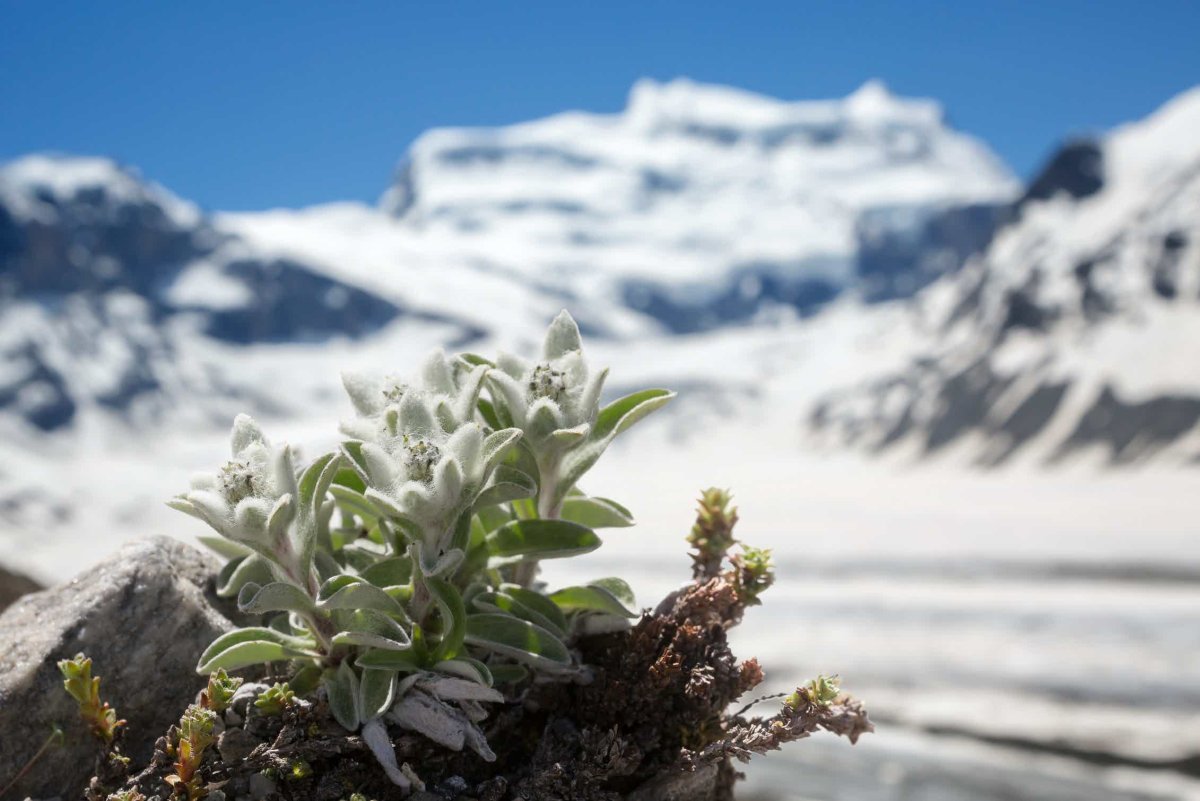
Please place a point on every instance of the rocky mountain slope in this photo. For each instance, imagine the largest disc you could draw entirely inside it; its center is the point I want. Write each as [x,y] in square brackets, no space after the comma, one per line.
[1074,332]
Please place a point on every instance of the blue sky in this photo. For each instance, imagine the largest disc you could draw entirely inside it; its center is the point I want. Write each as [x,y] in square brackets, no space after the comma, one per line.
[260,104]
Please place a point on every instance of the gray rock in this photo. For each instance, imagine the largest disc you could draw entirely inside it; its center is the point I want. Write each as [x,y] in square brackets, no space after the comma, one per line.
[143,616]
[700,785]
[261,786]
[13,585]
[236,744]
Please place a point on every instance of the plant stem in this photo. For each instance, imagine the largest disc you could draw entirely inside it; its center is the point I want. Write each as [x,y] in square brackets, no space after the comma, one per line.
[547,509]
[55,738]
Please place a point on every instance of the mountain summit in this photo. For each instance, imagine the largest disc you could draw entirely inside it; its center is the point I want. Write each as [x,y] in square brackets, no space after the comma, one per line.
[697,205]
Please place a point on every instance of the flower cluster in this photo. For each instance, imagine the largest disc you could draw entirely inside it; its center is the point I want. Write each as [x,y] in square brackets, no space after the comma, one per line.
[399,572]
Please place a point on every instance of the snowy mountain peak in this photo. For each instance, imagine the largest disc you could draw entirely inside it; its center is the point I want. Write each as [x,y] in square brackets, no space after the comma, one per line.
[1160,145]
[682,102]
[697,205]
[38,185]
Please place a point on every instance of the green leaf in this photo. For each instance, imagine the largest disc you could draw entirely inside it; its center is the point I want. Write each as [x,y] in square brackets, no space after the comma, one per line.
[341,686]
[360,555]
[624,412]
[278,596]
[282,514]
[327,567]
[522,457]
[252,646]
[612,420]
[453,615]
[541,539]
[313,517]
[596,512]
[370,628]
[305,680]
[316,478]
[351,592]
[518,639]
[497,445]
[348,477]
[405,660]
[505,602]
[354,502]
[508,674]
[352,450]
[392,572]
[619,589]
[223,547]
[490,415]
[508,484]
[467,668]
[538,603]
[239,572]
[475,360]
[492,518]
[376,690]
[590,599]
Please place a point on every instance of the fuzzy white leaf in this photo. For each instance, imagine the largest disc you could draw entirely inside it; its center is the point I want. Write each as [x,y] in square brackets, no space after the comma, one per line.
[562,337]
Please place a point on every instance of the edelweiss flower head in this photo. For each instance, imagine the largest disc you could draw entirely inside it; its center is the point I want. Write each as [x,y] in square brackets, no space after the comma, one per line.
[556,394]
[255,485]
[450,390]
[418,472]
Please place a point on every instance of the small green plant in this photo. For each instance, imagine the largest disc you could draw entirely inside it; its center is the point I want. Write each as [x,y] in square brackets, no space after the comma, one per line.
[402,567]
[220,690]
[85,689]
[821,691]
[195,736]
[126,795]
[712,534]
[753,573]
[275,699]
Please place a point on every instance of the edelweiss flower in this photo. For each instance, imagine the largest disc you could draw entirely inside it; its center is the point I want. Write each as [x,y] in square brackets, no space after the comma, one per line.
[251,499]
[419,473]
[450,389]
[555,398]
[556,403]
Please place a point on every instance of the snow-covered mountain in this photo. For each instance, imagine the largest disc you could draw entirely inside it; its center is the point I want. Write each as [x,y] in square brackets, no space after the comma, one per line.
[696,207]
[1075,332]
[111,288]
[703,205]
[699,220]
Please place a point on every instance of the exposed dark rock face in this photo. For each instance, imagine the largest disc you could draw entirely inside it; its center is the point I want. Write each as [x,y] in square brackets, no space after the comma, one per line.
[967,402]
[144,616]
[896,261]
[754,288]
[290,303]
[91,241]
[1134,431]
[1076,170]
